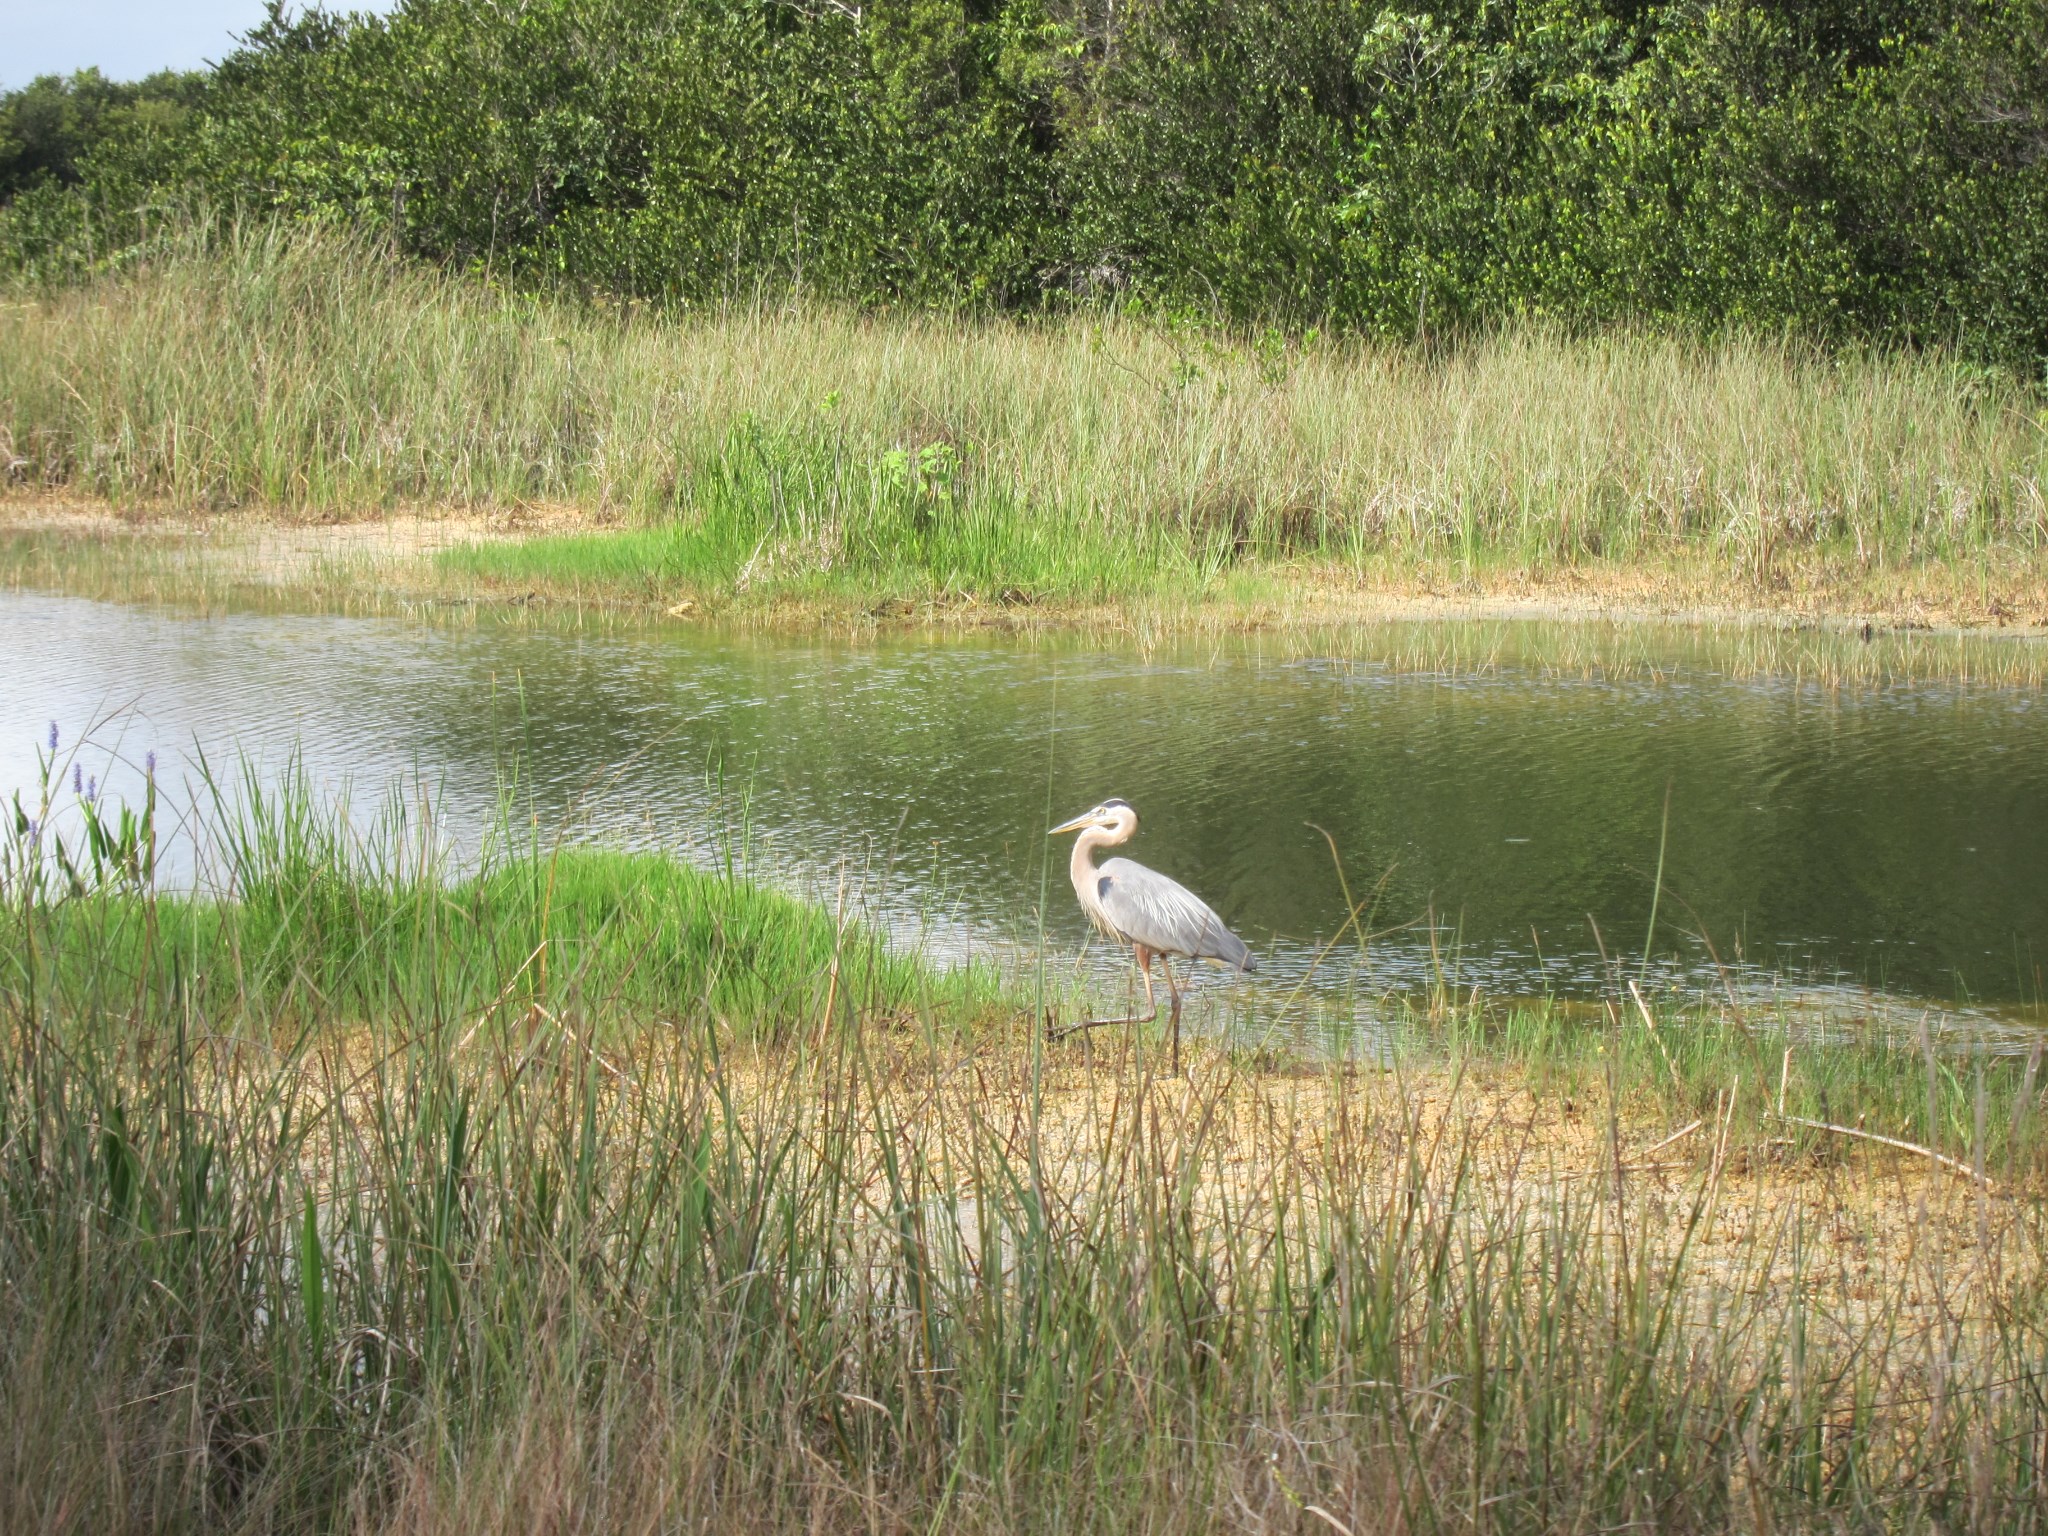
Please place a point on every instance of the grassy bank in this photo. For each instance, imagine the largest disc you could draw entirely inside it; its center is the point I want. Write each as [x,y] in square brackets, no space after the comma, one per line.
[748,458]
[324,1202]
[296,913]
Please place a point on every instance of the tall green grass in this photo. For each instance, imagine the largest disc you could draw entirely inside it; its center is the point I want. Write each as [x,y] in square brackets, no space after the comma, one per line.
[797,449]
[295,1235]
[298,912]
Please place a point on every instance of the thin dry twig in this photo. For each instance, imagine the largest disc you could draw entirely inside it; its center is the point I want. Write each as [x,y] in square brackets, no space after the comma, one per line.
[1892,1141]
[1649,1019]
[1668,1140]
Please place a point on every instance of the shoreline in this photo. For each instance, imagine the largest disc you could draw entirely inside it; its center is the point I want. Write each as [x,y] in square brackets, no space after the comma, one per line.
[395,553]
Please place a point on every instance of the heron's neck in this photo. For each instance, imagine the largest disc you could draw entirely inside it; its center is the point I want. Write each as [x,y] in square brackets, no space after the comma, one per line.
[1081,866]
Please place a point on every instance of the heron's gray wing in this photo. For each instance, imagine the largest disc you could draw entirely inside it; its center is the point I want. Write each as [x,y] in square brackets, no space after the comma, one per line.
[1165,915]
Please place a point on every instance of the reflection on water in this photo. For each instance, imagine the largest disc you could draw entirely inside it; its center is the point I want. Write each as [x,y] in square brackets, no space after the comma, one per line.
[1893,836]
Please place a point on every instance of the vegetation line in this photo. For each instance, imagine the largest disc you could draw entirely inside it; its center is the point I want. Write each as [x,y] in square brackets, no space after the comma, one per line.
[1852,172]
[751,458]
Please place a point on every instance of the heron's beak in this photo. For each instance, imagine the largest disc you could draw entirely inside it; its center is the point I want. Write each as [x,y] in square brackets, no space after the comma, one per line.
[1072,826]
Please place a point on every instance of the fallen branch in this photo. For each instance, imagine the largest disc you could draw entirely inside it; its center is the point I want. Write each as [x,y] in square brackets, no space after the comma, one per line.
[1892,1141]
[1639,1166]
[1674,1136]
[1056,1032]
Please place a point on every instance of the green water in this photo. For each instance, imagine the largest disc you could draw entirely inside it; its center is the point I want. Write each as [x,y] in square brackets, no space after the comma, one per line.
[1504,790]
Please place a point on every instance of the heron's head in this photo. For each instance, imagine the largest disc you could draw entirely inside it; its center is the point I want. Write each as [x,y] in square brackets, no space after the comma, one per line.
[1113,816]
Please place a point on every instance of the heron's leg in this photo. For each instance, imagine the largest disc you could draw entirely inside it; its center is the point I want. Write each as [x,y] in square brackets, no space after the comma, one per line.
[1144,958]
[1173,991]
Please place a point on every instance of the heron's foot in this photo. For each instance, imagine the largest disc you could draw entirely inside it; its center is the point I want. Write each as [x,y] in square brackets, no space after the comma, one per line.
[1054,1033]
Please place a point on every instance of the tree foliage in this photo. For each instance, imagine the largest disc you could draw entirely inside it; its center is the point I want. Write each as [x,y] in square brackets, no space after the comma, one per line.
[58,131]
[1850,168]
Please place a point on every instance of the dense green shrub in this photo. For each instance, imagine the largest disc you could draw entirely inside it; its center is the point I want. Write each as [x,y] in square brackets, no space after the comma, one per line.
[1850,168]
[86,162]
[61,132]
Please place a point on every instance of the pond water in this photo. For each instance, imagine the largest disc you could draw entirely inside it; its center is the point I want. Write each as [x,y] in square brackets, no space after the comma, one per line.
[1861,846]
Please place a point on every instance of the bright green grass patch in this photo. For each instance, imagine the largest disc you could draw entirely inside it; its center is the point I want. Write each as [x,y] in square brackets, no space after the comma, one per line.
[298,914]
[664,562]
[811,512]
[622,937]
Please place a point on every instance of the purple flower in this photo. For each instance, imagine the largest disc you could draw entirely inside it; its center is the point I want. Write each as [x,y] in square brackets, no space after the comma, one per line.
[35,835]
[77,779]
[92,790]
[53,735]
[149,764]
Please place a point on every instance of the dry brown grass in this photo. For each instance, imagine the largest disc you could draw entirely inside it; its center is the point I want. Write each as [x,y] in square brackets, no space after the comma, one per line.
[1896,1272]
[823,462]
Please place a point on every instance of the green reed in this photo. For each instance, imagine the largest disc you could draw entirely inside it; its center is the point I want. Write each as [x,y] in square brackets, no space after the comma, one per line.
[323,1205]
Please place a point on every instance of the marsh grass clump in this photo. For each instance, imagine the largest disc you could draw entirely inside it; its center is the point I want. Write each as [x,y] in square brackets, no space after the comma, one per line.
[299,911]
[795,450]
[323,1202]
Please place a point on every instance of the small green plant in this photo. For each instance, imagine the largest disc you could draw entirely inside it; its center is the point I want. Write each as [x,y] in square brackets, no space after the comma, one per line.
[109,846]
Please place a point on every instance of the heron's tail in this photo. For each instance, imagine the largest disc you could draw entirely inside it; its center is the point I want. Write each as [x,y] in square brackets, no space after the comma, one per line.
[1232,951]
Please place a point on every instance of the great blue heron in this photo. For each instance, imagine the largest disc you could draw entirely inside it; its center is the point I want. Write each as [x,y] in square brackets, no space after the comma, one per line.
[1144,909]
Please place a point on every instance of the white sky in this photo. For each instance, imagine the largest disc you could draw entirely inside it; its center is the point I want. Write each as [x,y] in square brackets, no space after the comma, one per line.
[126,39]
